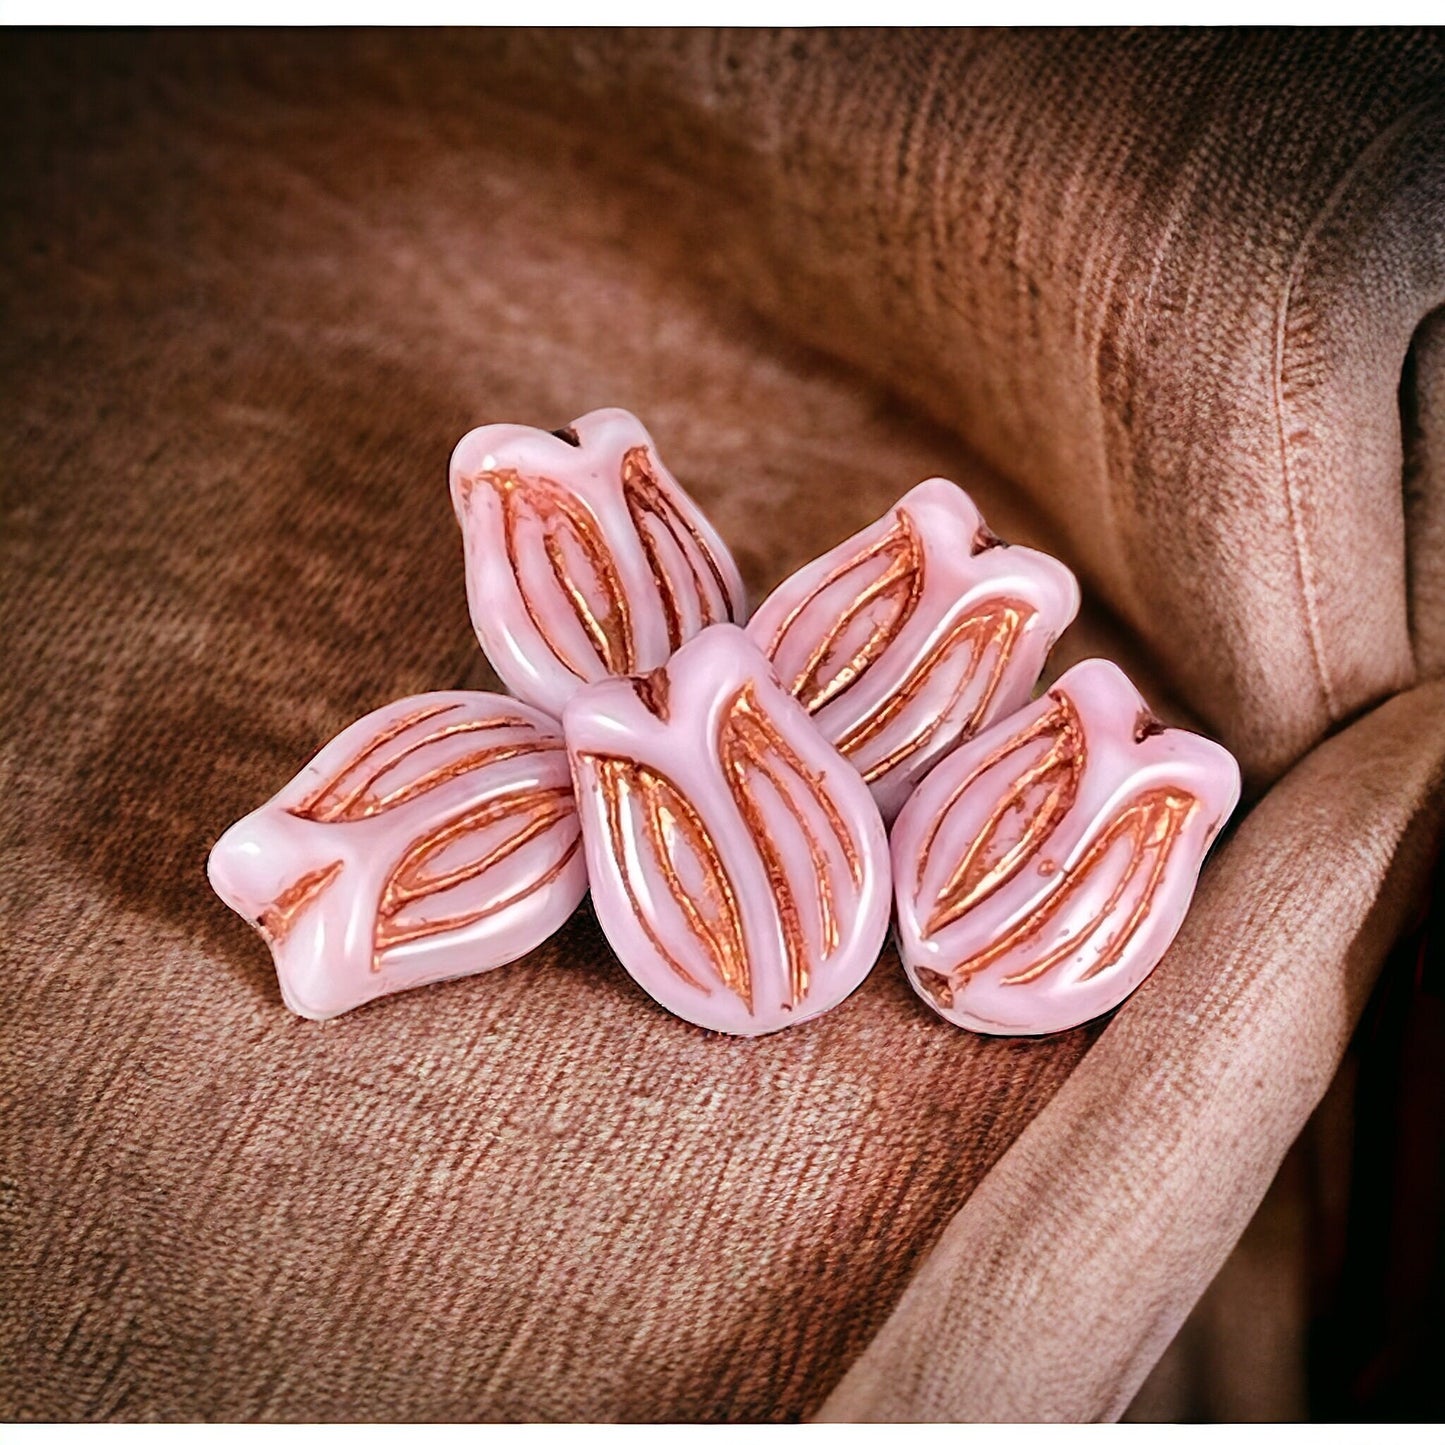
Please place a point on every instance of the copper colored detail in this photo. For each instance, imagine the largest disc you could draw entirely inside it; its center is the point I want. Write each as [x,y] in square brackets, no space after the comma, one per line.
[936,986]
[711,912]
[1149,826]
[897,587]
[996,626]
[749,746]
[1042,793]
[646,498]
[654,692]
[562,516]
[471,762]
[315,808]
[538,809]
[279,919]
[330,804]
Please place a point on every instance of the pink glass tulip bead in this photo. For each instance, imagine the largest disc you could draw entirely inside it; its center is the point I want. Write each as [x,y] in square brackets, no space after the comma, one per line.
[434,838]
[1042,870]
[913,634]
[739,866]
[584,558]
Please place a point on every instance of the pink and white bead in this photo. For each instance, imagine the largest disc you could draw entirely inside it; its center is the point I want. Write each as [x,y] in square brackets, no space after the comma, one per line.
[915,633]
[584,558]
[732,824]
[739,866]
[1042,869]
[434,838]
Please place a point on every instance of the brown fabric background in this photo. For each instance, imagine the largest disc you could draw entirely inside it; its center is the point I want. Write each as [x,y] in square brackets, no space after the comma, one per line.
[1147,297]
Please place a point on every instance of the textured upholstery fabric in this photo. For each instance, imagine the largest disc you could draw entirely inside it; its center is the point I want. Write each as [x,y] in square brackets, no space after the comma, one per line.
[1185,1098]
[1148,298]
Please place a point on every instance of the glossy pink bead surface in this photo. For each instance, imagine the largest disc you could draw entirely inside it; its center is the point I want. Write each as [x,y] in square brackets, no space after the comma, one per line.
[433,838]
[739,866]
[914,634]
[1042,869]
[584,558]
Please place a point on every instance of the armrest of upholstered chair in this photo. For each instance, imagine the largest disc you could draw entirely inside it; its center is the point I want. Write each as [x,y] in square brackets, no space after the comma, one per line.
[1149,298]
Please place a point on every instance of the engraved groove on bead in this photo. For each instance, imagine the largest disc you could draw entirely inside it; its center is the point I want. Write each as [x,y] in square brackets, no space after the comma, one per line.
[1042,793]
[563,518]
[541,810]
[329,804]
[279,918]
[898,586]
[995,627]
[1148,827]
[750,746]
[645,498]
[668,820]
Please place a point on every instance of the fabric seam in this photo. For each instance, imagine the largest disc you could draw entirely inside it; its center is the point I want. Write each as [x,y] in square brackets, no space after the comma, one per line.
[1304,557]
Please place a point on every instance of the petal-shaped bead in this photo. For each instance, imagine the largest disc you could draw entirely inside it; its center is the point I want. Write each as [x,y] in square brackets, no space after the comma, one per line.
[434,838]
[584,558]
[1043,868]
[915,633]
[739,866]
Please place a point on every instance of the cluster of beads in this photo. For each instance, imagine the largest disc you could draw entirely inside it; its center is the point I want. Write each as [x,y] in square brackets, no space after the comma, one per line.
[749,801]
